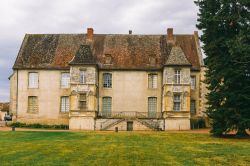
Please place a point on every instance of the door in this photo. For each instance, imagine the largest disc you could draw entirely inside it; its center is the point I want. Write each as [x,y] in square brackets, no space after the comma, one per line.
[129,126]
[152,107]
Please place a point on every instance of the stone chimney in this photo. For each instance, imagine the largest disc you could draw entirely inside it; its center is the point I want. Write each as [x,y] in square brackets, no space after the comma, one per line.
[170,35]
[90,32]
[130,32]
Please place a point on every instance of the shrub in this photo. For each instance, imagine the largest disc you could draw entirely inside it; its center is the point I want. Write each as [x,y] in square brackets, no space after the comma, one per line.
[37,125]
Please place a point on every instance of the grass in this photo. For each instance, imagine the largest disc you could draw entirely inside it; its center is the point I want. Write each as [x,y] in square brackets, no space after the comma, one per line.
[123,148]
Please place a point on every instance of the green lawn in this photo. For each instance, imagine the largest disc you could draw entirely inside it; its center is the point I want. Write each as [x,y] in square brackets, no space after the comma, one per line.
[123,148]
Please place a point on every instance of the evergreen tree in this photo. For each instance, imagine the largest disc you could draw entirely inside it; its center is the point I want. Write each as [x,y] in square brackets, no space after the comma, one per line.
[226,36]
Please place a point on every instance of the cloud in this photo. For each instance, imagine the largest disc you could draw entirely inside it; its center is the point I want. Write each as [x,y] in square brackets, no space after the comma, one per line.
[105,16]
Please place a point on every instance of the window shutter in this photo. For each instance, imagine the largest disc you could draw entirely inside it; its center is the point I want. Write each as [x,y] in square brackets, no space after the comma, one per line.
[33,80]
[106,106]
[65,104]
[65,80]
[152,81]
[152,106]
[32,104]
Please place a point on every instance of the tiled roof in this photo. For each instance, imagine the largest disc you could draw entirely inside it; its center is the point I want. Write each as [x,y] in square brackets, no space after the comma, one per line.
[55,51]
[177,57]
[83,56]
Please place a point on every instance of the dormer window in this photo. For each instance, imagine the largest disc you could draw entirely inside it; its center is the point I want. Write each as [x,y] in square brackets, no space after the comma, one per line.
[152,60]
[108,59]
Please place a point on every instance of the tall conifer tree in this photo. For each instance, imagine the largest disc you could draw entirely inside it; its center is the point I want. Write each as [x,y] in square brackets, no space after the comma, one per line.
[226,36]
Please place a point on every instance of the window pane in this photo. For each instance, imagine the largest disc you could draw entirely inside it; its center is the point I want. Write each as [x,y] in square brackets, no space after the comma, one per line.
[83,101]
[65,104]
[33,80]
[106,106]
[177,77]
[82,77]
[65,80]
[107,80]
[177,102]
[152,106]
[193,107]
[193,82]
[32,104]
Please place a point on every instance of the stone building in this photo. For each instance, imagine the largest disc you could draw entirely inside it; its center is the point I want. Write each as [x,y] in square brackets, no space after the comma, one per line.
[102,81]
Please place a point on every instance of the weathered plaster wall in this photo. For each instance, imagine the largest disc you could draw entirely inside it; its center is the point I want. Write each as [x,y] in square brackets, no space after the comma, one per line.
[177,124]
[49,93]
[13,93]
[130,91]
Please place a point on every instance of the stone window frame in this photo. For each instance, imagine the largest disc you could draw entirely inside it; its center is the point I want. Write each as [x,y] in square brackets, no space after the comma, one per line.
[62,79]
[61,106]
[29,79]
[151,81]
[35,108]
[107,82]
[175,101]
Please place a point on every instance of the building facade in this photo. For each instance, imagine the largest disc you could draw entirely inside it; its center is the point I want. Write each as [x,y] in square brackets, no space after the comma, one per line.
[103,81]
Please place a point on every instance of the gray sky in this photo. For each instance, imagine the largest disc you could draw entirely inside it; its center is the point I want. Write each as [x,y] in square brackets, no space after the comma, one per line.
[18,17]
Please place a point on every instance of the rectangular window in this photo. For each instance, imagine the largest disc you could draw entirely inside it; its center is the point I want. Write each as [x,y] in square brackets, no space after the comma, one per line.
[177,102]
[32,104]
[193,82]
[106,106]
[193,107]
[177,77]
[65,80]
[33,80]
[82,77]
[82,101]
[152,81]
[152,107]
[64,104]
[107,80]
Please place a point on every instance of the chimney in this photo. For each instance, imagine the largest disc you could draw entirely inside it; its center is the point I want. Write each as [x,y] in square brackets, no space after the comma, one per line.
[130,32]
[170,35]
[196,35]
[90,32]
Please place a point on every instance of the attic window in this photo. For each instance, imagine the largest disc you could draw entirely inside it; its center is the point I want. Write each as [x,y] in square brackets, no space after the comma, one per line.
[152,60]
[108,59]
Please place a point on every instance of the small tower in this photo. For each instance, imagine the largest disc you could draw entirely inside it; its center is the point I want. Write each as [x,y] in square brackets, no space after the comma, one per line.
[176,87]
[83,99]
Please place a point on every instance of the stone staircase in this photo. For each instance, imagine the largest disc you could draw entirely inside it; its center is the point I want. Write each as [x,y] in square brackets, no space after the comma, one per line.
[154,125]
[150,124]
[110,123]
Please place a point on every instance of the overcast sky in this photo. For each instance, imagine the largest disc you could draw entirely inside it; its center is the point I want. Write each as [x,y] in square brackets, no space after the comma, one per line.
[18,17]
